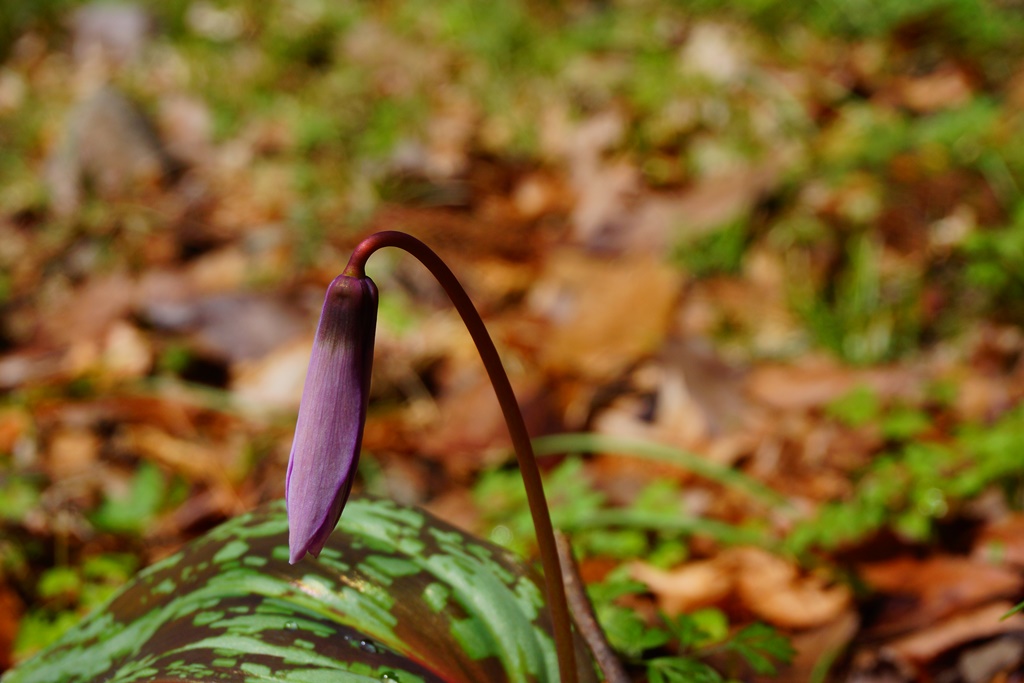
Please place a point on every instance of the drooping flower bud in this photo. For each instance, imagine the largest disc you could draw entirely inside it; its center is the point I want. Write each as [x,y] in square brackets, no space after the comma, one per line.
[329,430]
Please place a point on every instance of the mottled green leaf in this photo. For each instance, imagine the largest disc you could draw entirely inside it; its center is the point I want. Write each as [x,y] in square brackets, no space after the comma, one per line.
[395,595]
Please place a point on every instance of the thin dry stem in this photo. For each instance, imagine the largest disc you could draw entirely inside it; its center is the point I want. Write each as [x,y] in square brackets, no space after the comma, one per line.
[584,617]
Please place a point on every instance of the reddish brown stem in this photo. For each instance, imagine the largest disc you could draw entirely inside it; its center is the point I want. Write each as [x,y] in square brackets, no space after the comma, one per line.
[513,418]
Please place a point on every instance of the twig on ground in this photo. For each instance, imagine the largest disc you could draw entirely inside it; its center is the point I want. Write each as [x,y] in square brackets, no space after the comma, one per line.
[583,614]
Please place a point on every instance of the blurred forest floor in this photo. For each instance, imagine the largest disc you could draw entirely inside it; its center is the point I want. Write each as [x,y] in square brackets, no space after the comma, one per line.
[769,258]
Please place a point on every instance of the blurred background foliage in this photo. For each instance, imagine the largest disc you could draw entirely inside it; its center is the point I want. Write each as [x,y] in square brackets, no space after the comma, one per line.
[837,179]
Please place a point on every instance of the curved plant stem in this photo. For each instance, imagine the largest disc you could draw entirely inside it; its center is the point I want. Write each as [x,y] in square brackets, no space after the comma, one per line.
[513,418]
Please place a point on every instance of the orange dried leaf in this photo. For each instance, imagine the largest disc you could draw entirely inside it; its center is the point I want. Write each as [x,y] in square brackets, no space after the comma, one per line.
[689,587]
[777,592]
[605,315]
[945,583]
[983,622]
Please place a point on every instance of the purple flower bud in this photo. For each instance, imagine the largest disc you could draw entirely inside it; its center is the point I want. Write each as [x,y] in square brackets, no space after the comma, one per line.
[329,431]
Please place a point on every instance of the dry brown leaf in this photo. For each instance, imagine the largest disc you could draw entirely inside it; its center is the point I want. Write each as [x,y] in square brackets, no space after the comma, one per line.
[680,419]
[223,270]
[698,404]
[212,463]
[938,586]
[605,315]
[777,592]
[470,431]
[602,187]
[981,398]
[601,214]
[26,367]
[468,424]
[186,123]
[768,586]
[174,416]
[816,382]
[754,308]
[538,193]
[947,87]
[127,352]
[690,586]
[72,452]
[87,314]
[274,381]
[15,425]
[927,644]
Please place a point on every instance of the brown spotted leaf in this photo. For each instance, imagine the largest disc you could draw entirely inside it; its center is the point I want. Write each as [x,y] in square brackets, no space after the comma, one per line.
[396,594]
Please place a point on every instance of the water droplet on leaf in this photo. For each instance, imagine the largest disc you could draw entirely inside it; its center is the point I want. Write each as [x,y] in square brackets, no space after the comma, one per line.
[291,626]
[368,646]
